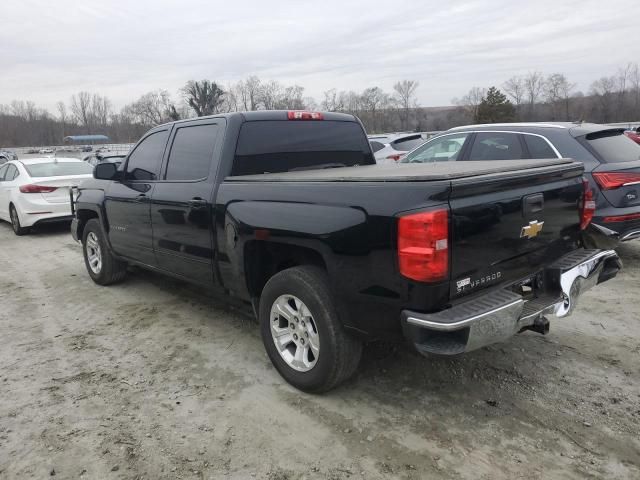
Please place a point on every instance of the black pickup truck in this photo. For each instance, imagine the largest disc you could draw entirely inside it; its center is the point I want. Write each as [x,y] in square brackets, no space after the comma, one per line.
[288,212]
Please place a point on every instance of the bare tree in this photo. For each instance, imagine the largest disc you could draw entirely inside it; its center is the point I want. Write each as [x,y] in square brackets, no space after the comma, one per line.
[603,91]
[153,108]
[81,109]
[100,110]
[557,93]
[533,85]
[249,93]
[333,102]
[471,101]
[205,96]
[405,91]
[269,94]
[62,115]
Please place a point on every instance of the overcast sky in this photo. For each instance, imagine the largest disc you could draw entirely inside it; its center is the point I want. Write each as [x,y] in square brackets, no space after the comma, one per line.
[124,48]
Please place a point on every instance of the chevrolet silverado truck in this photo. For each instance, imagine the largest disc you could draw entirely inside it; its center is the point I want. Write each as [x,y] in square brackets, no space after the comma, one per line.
[288,213]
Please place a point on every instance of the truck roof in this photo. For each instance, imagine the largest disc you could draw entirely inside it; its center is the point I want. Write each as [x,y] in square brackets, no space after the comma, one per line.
[407,172]
[262,115]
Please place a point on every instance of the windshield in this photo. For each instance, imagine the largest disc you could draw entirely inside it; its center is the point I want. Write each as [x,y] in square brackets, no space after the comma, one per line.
[281,146]
[58,169]
[613,146]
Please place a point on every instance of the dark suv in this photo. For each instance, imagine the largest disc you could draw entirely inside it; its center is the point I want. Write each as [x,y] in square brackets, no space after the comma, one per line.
[611,160]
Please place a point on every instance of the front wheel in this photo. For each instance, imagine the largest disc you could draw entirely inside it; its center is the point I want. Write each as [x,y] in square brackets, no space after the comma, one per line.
[302,331]
[103,267]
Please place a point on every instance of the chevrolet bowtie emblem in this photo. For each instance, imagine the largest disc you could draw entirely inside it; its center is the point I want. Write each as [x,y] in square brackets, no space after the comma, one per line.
[531,230]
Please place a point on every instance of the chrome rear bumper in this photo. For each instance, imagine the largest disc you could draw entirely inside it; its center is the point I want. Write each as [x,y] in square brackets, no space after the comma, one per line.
[500,314]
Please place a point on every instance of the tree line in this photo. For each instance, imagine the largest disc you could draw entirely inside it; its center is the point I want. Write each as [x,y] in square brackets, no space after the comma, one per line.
[530,97]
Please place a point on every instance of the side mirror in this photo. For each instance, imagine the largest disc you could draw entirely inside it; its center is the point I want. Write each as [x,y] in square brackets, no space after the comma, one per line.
[105,171]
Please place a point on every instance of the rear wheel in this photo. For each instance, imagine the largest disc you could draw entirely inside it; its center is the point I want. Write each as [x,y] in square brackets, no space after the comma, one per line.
[103,267]
[302,331]
[15,222]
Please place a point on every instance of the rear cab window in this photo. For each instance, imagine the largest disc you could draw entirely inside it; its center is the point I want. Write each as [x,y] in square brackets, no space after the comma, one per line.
[612,146]
[274,146]
[58,169]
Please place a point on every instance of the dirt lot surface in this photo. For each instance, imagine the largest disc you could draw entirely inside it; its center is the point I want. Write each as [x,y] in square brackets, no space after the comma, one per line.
[153,379]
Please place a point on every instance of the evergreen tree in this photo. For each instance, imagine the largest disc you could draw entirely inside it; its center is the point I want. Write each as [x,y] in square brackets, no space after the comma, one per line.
[495,108]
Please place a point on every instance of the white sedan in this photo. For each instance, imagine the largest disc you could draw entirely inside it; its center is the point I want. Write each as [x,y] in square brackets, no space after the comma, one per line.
[36,190]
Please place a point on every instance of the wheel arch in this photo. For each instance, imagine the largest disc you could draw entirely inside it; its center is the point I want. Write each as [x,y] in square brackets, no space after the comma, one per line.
[263,259]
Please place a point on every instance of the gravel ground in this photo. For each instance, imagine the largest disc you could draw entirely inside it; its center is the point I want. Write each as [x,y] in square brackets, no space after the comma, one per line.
[154,379]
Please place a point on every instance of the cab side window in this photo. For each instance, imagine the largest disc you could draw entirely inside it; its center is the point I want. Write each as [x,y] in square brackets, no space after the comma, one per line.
[3,170]
[496,146]
[144,161]
[192,152]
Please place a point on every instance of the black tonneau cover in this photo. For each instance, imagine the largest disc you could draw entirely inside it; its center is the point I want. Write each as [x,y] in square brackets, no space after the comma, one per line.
[418,172]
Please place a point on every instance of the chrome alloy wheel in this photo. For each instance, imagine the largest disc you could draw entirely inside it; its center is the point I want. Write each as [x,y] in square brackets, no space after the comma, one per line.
[94,253]
[295,333]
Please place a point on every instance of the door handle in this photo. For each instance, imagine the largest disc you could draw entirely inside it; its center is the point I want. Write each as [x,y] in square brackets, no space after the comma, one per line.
[197,203]
[142,198]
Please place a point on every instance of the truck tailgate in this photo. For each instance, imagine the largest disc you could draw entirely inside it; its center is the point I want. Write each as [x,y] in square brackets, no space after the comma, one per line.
[505,227]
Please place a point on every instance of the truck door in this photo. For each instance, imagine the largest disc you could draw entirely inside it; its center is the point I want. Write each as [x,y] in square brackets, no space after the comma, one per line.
[127,202]
[181,205]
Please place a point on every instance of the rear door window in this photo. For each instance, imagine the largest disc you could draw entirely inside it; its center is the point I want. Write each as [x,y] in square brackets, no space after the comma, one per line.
[442,149]
[192,152]
[3,170]
[539,147]
[496,146]
[282,146]
[144,161]
[612,146]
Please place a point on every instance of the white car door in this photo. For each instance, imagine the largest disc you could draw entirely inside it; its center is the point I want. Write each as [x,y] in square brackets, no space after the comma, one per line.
[4,194]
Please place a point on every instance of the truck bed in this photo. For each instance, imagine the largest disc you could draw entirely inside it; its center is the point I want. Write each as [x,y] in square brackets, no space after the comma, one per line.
[419,172]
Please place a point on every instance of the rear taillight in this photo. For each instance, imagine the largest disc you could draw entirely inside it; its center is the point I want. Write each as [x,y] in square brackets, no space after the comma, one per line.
[301,115]
[622,218]
[395,157]
[423,245]
[37,189]
[587,205]
[612,180]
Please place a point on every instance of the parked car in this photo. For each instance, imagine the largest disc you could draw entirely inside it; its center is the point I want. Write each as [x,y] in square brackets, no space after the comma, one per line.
[87,148]
[288,213]
[611,160]
[391,148]
[46,150]
[35,191]
[633,134]
[6,155]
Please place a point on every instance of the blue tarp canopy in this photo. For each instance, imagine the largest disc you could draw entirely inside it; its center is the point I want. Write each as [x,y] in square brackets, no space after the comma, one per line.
[86,138]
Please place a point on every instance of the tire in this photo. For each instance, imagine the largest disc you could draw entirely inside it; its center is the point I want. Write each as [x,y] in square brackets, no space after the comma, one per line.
[103,267]
[15,222]
[311,314]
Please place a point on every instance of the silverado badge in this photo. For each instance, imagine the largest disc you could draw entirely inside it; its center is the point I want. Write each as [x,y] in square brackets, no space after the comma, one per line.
[531,230]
